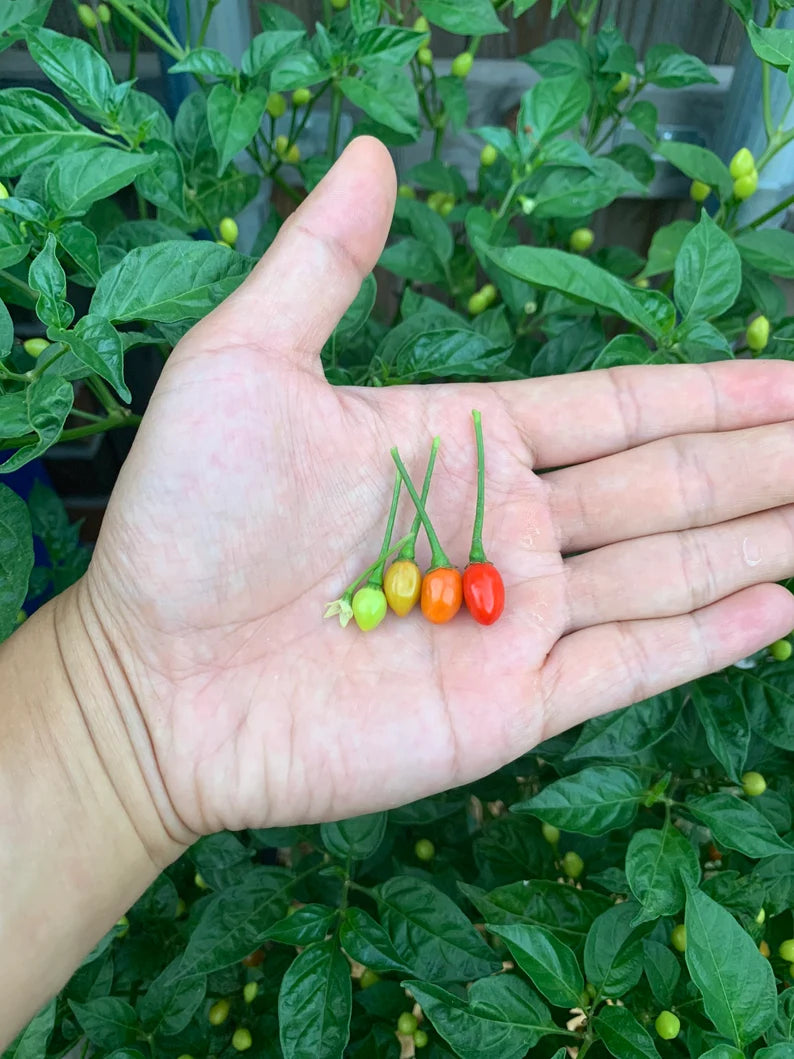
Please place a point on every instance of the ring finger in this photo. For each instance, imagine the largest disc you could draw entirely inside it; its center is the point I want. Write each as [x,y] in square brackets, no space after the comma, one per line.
[674,573]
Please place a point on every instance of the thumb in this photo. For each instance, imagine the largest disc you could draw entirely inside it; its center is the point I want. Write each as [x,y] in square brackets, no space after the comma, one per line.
[298,292]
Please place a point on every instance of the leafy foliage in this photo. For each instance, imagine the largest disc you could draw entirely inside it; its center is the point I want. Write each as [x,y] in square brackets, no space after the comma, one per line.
[108,241]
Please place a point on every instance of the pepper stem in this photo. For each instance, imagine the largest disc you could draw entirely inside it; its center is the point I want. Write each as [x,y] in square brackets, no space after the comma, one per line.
[438,556]
[376,577]
[477,554]
[348,592]
[409,550]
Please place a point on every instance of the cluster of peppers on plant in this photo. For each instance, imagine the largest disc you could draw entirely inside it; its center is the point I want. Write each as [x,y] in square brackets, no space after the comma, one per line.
[442,590]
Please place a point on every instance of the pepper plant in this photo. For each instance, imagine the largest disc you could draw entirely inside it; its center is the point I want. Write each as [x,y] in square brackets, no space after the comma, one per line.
[625,888]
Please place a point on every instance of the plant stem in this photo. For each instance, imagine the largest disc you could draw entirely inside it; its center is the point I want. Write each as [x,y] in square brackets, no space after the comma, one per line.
[376,578]
[9,277]
[112,422]
[348,592]
[477,554]
[508,199]
[408,551]
[769,124]
[175,52]
[136,36]
[205,22]
[438,556]
[100,390]
[189,23]
[778,141]
[333,125]
[438,140]
[784,205]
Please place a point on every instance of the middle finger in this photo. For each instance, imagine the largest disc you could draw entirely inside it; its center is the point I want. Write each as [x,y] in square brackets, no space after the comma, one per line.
[674,484]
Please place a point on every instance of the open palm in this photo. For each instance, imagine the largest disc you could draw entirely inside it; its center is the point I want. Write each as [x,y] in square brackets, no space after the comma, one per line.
[255,492]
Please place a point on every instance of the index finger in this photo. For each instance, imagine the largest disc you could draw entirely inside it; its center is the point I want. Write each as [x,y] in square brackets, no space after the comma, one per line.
[571,419]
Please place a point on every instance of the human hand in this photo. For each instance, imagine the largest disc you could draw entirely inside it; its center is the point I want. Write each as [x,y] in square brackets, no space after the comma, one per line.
[255,492]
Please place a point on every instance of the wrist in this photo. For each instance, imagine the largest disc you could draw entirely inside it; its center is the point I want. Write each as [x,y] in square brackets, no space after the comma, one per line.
[82,833]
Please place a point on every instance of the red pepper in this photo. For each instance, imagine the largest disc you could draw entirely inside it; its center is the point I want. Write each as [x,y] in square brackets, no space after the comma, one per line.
[483,588]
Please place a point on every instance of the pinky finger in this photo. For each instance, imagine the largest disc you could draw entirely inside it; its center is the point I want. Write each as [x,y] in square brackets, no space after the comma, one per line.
[608,666]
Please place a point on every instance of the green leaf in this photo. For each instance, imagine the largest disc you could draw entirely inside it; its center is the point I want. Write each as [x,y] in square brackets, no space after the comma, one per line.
[736,824]
[455,99]
[770,249]
[358,311]
[669,67]
[659,866]
[548,961]
[98,345]
[267,49]
[14,245]
[769,699]
[662,970]
[566,911]
[743,8]
[552,106]
[306,924]
[274,16]
[440,352]
[665,244]
[572,275]
[735,980]
[774,46]
[613,955]
[169,281]
[80,244]
[590,802]
[645,117]
[163,183]
[782,1030]
[501,1018]
[19,18]
[234,921]
[234,120]
[410,259]
[6,331]
[708,271]
[626,733]
[142,233]
[701,341]
[357,838]
[77,179]
[574,193]
[16,562]
[430,933]
[393,45]
[366,941]
[47,278]
[558,57]
[698,164]
[427,227]
[475,18]
[723,715]
[108,1022]
[438,176]
[776,1051]
[168,1007]
[623,1035]
[80,72]
[315,1003]
[298,69]
[573,349]
[723,1051]
[34,126]
[207,61]
[47,402]
[31,1043]
[387,95]
[364,14]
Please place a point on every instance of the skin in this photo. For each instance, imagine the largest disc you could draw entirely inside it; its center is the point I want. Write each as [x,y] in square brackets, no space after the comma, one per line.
[188,682]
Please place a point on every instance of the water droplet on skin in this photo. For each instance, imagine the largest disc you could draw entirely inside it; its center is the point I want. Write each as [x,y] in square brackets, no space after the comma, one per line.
[751,552]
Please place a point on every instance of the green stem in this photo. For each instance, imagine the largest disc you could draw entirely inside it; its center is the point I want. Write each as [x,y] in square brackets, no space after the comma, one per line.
[784,205]
[376,578]
[438,557]
[348,592]
[409,550]
[100,390]
[477,554]
[438,140]
[205,22]
[189,23]
[175,52]
[12,279]
[327,13]
[136,36]
[508,199]
[57,353]
[777,143]
[333,125]
[112,422]
[769,124]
